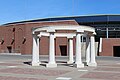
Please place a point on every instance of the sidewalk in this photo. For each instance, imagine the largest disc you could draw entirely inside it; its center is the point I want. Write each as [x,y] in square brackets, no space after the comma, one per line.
[16,67]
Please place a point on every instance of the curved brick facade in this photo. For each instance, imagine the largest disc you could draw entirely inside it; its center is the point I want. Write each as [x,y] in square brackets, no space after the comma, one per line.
[17,37]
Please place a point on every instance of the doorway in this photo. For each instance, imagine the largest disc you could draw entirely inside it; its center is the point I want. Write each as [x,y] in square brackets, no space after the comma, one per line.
[116,51]
[63,50]
[9,49]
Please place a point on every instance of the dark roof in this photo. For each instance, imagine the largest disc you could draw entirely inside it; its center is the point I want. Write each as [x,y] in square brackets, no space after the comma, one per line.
[79,19]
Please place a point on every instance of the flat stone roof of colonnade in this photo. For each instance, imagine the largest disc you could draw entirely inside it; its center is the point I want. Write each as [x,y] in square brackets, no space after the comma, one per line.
[75,28]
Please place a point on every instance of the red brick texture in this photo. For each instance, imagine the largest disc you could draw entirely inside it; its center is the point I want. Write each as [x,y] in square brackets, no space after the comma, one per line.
[107,46]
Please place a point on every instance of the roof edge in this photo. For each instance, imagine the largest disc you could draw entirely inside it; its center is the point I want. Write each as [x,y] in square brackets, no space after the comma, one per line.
[42,19]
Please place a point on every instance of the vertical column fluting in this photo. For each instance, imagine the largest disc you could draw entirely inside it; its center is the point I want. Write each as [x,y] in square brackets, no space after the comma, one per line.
[35,51]
[92,49]
[51,62]
[78,59]
[70,51]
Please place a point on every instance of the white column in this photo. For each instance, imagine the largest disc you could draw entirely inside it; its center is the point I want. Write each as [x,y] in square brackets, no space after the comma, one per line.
[107,33]
[51,62]
[87,50]
[78,60]
[92,56]
[71,60]
[35,51]
[100,45]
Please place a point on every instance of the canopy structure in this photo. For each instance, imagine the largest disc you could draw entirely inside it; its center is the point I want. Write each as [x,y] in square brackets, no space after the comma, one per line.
[77,32]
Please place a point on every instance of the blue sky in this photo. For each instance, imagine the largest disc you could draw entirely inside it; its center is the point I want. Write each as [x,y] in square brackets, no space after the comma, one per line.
[18,10]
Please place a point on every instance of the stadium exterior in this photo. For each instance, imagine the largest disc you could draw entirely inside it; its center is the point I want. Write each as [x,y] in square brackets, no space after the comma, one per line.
[16,37]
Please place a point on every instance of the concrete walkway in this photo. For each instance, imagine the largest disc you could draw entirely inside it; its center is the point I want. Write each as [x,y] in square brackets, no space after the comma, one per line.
[16,67]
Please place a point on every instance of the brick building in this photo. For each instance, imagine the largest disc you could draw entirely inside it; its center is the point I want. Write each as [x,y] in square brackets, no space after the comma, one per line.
[16,37]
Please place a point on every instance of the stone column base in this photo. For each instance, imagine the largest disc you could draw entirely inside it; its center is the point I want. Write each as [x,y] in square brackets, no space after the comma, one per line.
[70,62]
[35,64]
[49,65]
[79,65]
[92,64]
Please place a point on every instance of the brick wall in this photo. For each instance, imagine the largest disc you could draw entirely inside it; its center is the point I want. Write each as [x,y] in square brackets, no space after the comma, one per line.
[107,46]
[22,35]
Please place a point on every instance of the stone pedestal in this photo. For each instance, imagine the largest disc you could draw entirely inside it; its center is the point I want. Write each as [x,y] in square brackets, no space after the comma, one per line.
[77,65]
[35,64]
[92,64]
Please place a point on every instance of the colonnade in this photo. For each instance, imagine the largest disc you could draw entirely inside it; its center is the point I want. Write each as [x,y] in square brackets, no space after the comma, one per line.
[90,51]
[80,31]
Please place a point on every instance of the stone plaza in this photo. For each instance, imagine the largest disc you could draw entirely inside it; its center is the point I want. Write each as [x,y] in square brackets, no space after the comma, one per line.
[18,67]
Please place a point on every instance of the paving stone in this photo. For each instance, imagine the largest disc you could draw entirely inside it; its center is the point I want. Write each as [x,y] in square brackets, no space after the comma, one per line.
[34,71]
[9,64]
[17,78]
[107,69]
[102,75]
[111,65]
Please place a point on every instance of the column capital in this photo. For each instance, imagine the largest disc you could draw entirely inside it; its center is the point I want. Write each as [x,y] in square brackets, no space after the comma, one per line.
[36,35]
[37,32]
[79,33]
[52,34]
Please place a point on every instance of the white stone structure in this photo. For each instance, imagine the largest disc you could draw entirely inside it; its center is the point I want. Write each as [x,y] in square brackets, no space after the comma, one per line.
[79,31]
